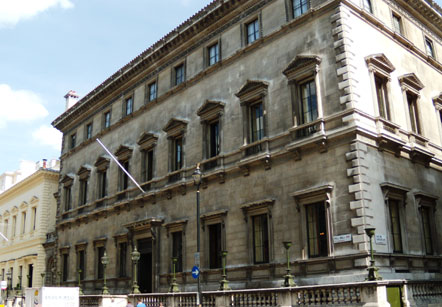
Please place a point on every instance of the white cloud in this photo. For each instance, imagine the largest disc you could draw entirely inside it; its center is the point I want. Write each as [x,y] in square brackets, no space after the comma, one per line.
[12,11]
[47,135]
[19,105]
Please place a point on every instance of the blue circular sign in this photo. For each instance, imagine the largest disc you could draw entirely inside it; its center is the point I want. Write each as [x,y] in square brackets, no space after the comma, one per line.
[195,272]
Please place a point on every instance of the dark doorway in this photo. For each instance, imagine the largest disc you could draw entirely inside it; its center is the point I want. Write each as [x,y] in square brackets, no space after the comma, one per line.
[30,274]
[145,265]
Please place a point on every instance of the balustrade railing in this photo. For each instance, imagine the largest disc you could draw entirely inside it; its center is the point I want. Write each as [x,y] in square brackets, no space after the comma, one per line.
[90,300]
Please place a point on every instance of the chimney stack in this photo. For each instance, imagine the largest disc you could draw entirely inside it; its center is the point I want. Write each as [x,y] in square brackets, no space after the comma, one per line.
[44,163]
[71,99]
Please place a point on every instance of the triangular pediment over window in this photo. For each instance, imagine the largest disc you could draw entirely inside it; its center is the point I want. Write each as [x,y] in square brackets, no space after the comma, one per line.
[380,62]
[147,140]
[301,66]
[411,81]
[252,90]
[102,163]
[124,152]
[437,101]
[67,180]
[210,109]
[175,127]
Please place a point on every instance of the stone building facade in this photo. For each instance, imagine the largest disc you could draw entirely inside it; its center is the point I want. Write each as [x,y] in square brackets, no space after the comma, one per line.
[27,215]
[311,121]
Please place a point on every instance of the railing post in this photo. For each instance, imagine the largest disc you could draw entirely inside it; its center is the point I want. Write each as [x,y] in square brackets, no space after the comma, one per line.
[284,299]
[374,295]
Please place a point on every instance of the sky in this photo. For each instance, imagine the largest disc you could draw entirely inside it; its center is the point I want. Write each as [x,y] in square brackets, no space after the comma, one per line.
[48,47]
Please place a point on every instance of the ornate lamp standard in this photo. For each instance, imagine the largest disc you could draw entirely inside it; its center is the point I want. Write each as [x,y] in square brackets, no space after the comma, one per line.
[373,273]
[8,286]
[197,176]
[174,286]
[288,278]
[224,283]
[135,258]
[79,282]
[105,262]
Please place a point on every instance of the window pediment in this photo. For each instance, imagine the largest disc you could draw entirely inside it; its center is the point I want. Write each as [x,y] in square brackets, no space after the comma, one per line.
[411,82]
[258,207]
[210,110]
[124,152]
[34,200]
[147,140]
[84,172]
[101,241]
[80,245]
[174,226]
[302,66]
[380,63]
[6,214]
[252,90]
[14,210]
[23,205]
[175,127]
[67,180]
[102,163]
[143,224]
[393,190]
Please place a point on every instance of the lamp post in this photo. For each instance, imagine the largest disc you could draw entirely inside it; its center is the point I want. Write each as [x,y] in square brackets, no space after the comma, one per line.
[135,258]
[224,283]
[288,278]
[174,286]
[373,273]
[8,276]
[105,262]
[79,282]
[197,176]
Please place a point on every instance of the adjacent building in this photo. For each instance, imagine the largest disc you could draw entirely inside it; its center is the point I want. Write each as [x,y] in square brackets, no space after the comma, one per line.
[27,215]
[311,121]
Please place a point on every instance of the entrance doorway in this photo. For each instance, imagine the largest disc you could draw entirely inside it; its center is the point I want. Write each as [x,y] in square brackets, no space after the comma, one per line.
[145,265]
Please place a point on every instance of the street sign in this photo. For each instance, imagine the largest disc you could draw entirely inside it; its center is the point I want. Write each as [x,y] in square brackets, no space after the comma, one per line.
[195,272]
[197,259]
[3,284]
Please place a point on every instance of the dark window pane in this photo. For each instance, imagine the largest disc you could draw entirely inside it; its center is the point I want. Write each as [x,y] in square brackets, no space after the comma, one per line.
[215,256]
[395,225]
[309,106]
[179,74]
[152,91]
[65,267]
[426,216]
[256,122]
[260,239]
[81,264]
[122,259]
[316,230]
[413,113]
[381,96]
[214,139]
[252,30]
[100,268]
[178,154]
[129,106]
[177,250]
[299,7]
[213,54]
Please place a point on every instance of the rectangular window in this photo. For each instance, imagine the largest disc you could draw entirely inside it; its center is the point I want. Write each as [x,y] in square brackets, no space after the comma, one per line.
[73,141]
[429,47]
[88,131]
[100,267]
[309,105]
[14,225]
[426,223]
[177,249]
[102,184]
[381,96]
[397,24]
[23,222]
[107,119]
[260,239]
[177,154]
[366,5]
[83,192]
[316,230]
[179,74]
[65,267]
[34,218]
[395,226]
[152,91]
[122,258]
[147,165]
[299,7]
[128,106]
[5,230]
[413,113]
[214,139]
[81,263]
[215,256]
[252,31]
[67,198]
[213,54]
[123,178]
[256,122]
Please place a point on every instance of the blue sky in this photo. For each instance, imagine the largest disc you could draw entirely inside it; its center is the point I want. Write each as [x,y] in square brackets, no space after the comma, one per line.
[48,47]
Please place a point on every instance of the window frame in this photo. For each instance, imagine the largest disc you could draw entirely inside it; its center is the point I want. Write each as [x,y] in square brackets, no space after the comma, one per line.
[107,119]
[262,208]
[80,249]
[367,6]
[208,55]
[427,203]
[429,47]
[177,249]
[176,130]
[437,102]
[99,245]
[149,93]
[321,195]
[257,33]
[67,182]
[102,167]
[178,226]
[122,258]
[128,105]
[305,4]
[88,131]
[411,87]
[72,140]
[207,221]
[179,67]
[210,112]
[124,155]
